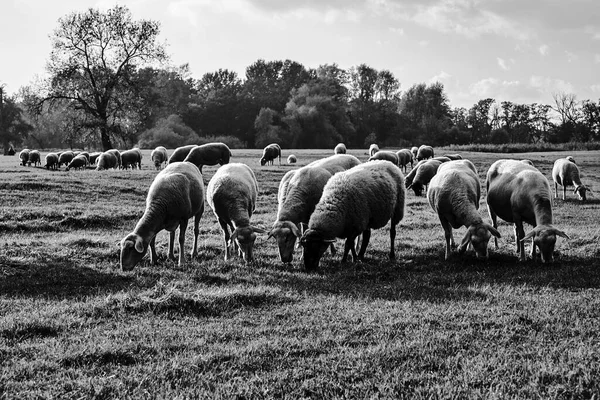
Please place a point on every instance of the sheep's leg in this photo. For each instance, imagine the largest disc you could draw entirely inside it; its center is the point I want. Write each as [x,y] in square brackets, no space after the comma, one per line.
[448,236]
[494,219]
[519,234]
[182,228]
[153,257]
[349,246]
[196,233]
[564,192]
[332,249]
[365,241]
[226,237]
[555,190]
[172,245]
[533,249]
[392,241]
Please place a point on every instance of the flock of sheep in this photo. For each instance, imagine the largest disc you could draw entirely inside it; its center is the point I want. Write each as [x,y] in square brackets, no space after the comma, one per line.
[79,160]
[338,197]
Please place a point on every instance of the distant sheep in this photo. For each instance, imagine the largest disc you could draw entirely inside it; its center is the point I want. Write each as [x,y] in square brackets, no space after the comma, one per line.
[175,196]
[570,158]
[24,157]
[209,154]
[566,173]
[411,175]
[270,153]
[373,148]
[159,157]
[425,152]
[65,158]
[385,155]
[453,156]
[414,150]
[51,161]
[131,158]
[404,158]
[232,193]
[517,193]
[78,162]
[35,158]
[424,173]
[340,148]
[292,159]
[94,157]
[117,155]
[454,194]
[180,153]
[355,201]
[106,160]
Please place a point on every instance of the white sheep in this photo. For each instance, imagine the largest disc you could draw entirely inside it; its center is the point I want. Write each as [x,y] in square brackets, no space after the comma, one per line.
[570,158]
[405,157]
[78,162]
[270,153]
[566,173]
[414,150]
[424,152]
[35,158]
[175,196]
[340,148]
[518,193]
[373,148]
[424,173]
[24,157]
[354,202]
[180,153]
[106,160]
[51,161]
[292,159]
[209,154]
[299,192]
[232,193]
[159,157]
[131,158]
[117,155]
[454,194]
[385,155]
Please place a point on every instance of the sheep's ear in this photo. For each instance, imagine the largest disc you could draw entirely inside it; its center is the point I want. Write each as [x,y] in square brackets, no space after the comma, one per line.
[560,233]
[258,230]
[139,244]
[295,230]
[493,230]
[529,235]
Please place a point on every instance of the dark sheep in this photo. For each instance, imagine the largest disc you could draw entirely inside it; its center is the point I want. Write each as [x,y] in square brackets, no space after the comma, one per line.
[270,153]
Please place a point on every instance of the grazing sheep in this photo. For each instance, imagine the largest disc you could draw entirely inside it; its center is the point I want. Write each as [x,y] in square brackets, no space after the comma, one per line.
[570,158]
[94,157]
[34,158]
[106,160]
[414,150]
[78,162]
[117,155]
[232,194]
[180,153]
[340,148]
[159,156]
[175,196]
[454,194]
[51,161]
[424,152]
[453,156]
[404,157]
[518,193]
[65,158]
[24,157]
[385,155]
[354,202]
[209,154]
[373,148]
[292,159]
[565,173]
[424,173]
[411,175]
[139,165]
[270,153]
[130,158]
[299,192]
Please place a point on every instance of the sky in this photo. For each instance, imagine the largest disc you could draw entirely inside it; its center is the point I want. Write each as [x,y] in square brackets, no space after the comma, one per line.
[524,51]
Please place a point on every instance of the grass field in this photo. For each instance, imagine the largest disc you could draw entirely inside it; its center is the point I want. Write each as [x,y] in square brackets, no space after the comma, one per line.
[72,325]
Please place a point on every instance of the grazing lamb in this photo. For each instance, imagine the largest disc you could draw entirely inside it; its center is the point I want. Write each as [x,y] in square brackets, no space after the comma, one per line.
[24,157]
[270,153]
[78,162]
[518,193]
[159,157]
[51,161]
[424,152]
[340,148]
[94,157]
[175,196]
[453,156]
[180,153]
[373,148]
[424,173]
[117,155]
[565,173]
[354,202]
[414,150]
[232,194]
[130,158]
[209,154]
[404,157]
[299,192]
[35,158]
[65,158]
[454,194]
[106,160]
[292,159]
[386,156]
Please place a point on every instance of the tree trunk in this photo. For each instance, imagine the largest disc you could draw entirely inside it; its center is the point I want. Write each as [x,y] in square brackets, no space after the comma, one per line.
[105,138]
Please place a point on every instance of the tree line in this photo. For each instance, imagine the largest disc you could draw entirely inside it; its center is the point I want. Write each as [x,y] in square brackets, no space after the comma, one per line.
[110,85]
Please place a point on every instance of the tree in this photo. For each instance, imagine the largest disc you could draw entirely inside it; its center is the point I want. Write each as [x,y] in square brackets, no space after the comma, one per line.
[426,112]
[13,127]
[479,120]
[591,118]
[93,59]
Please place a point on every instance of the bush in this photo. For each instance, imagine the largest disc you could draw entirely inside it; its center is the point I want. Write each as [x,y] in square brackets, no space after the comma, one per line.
[170,132]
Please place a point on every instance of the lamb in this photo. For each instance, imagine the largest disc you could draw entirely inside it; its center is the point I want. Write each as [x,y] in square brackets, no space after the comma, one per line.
[340,148]
[232,194]
[94,157]
[34,158]
[65,158]
[117,155]
[565,173]
[385,155]
[24,157]
[51,161]
[454,194]
[270,153]
[159,157]
[175,196]
[517,193]
[299,192]
[106,160]
[78,162]
[292,159]
[373,148]
[404,157]
[354,202]
[180,153]
[424,173]
[424,152]
[209,154]
[130,158]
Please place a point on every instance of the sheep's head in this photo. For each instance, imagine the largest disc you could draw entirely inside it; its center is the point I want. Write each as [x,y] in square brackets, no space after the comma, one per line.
[417,187]
[581,192]
[544,237]
[478,236]
[314,245]
[263,161]
[244,238]
[285,232]
[133,249]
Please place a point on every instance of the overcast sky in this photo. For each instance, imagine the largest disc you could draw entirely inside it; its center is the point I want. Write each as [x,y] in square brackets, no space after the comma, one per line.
[521,51]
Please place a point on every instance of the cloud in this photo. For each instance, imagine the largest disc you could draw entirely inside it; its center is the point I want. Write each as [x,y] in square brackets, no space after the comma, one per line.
[442,76]
[543,49]
[502,63]
[597,58]
[571,57]
[595,88]
[397,31]
[550,85]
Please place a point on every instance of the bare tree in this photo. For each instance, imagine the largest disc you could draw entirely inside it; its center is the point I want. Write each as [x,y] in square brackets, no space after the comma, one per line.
[566,107]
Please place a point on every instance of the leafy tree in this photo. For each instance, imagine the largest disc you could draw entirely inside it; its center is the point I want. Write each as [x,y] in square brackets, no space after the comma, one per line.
[13,127]
[170,132]
[269,129]
[425,112]
[479,120]
[591,118]
[93,60]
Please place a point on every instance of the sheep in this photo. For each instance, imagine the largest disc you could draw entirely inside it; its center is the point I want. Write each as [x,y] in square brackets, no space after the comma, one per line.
[106,160]
[373,148]
[385,155]
[443,159]
[414,150]
[404,157]
[117,155]
[159,157]
[454,194]
[78,162]
[231,193]
[292,159]
[528,162]
[411,175]
[424,173]
[139,165]
[424,152]
[34,158]
[340,148]
[570,158]
[270,153]
[453,156]
[65,158]
[51,161]
[565,172]
[209,154]
[175,196]
[517,193]
[24,157]
[299,192]
[355,201]
[94,157]
[180,153]
[130,158]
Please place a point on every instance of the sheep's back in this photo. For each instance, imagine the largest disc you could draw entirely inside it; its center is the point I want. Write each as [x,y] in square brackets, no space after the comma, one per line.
[336,163]
[179,188]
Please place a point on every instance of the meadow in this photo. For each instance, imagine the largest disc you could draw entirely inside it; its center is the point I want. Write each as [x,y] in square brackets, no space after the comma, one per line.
[73,325]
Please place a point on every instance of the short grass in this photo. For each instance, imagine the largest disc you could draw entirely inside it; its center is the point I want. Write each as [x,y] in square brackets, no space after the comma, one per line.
[72,325]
